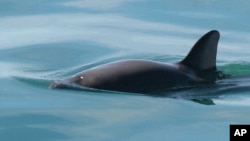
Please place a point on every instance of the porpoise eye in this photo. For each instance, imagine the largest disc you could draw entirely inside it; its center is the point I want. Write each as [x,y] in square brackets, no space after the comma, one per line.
[79,79]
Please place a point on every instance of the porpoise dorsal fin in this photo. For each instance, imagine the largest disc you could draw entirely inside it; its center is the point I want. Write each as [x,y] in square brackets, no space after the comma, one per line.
[203,54]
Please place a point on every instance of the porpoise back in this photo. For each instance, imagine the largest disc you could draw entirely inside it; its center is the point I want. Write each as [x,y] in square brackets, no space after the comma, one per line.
[145,76]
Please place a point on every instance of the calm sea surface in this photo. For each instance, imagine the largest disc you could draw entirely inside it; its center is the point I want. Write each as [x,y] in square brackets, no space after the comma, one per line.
[41,41]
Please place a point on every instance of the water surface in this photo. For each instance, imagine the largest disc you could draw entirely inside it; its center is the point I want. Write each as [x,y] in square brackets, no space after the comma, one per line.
[41,41]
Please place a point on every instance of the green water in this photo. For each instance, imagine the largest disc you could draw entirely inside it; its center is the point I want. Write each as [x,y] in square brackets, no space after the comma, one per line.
[41,41]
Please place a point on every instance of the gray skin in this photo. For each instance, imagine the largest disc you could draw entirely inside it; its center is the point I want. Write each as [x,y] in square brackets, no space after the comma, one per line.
[145,76]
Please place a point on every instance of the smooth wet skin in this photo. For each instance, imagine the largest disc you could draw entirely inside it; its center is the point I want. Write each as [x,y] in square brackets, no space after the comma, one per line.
[145,76]
[137,76]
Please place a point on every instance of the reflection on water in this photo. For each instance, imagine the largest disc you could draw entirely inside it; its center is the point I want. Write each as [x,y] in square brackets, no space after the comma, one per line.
[31,127]
[108,29]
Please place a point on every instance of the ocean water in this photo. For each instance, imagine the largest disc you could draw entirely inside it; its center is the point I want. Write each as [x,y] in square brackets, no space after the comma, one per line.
[42,41]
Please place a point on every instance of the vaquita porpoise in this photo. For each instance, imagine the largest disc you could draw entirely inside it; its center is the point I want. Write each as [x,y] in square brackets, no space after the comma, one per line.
[145,76]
